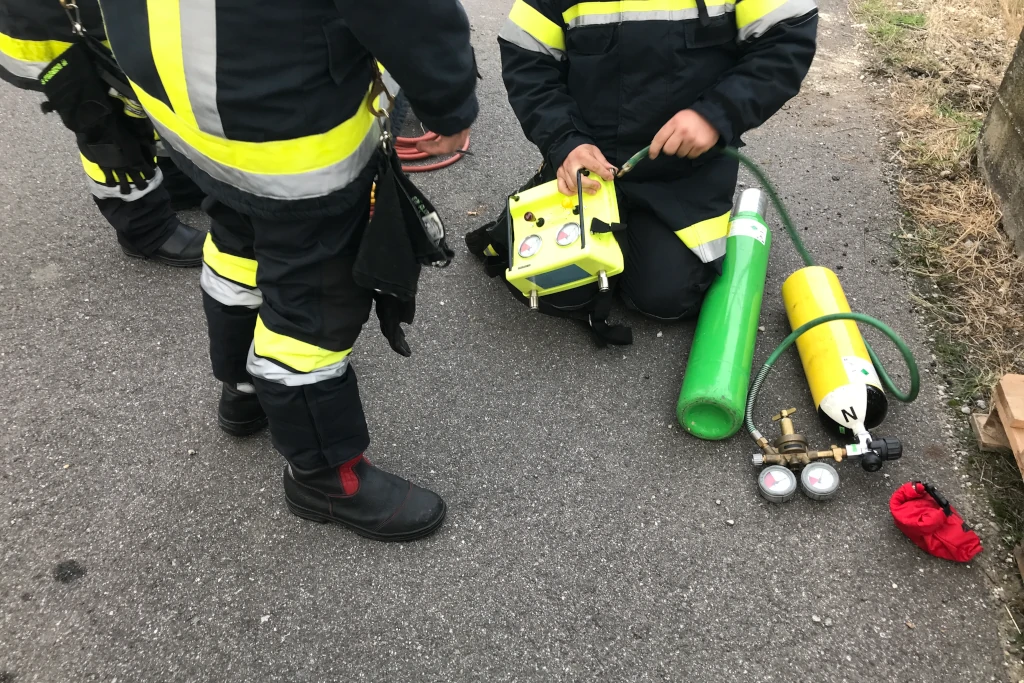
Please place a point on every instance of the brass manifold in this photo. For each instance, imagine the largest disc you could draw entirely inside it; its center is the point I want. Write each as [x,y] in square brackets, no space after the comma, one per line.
[790,449]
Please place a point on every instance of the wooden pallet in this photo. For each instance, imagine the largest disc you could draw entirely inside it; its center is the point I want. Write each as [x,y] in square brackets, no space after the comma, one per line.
[1002,429]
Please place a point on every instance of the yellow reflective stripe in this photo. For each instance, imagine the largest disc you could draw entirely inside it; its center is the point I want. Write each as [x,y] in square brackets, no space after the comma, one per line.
[295,354]
[165,44]
[96,173]
[44,51]
[705,231]
[537,25]
[489,250]
[234,268]
[749,11]
[276,157]
[93,170]
[634,6]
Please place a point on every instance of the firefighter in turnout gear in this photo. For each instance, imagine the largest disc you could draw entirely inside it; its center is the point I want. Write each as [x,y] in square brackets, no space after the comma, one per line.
[139,202]
[593,83]
[272,108]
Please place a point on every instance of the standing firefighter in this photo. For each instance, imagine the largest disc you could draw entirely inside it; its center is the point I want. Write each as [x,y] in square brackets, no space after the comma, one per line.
[136,191]
[595,82]
[270,107]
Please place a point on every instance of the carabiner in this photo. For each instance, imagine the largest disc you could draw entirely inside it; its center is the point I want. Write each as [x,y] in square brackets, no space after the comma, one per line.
[74,16]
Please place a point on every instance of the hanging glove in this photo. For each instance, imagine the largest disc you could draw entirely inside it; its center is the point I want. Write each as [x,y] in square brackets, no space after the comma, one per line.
[75,91]
[124,147]
[392,312]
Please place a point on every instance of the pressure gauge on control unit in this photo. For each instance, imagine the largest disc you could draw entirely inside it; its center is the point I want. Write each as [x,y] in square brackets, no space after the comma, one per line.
[569,233]
[529,246]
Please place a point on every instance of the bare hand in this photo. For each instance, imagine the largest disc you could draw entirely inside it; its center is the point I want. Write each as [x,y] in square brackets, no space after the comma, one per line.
[446,144]
[687,134]
[590,158]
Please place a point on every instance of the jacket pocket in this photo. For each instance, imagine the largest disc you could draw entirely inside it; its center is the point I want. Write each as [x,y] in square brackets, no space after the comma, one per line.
[594,77]
[591,40]
[720,30]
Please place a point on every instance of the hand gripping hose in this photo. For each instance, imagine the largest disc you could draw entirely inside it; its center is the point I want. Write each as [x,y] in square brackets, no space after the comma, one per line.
[787,222]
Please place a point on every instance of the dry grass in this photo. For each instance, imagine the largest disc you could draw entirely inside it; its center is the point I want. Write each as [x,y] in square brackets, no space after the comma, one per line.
[944,61]
[1013,15]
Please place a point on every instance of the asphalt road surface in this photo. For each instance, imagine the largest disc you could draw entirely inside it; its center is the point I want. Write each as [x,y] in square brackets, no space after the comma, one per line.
[588,537]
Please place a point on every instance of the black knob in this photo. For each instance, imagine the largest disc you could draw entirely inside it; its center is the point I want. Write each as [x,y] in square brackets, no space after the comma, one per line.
[871,462]
[887,448]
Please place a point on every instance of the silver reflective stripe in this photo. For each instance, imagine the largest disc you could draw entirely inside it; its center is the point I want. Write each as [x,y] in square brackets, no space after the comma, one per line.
[228,292]
[199,59]
[390,83]
[653,15]
[392,87]
[710,251]
[789,10]
[272,372]
[318,183]
[101,191]
[517,36]
[20,68]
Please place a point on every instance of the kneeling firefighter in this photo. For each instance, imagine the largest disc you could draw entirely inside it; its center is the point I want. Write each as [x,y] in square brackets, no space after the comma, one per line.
[594,83]
[274,110]
[47,47]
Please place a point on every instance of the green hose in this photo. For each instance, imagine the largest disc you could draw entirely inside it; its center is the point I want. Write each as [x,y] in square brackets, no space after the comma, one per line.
[787,222]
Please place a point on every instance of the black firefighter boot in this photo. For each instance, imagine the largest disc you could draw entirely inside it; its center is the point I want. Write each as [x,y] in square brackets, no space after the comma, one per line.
[148,229]
[367,500]
[240,412]
[183,249]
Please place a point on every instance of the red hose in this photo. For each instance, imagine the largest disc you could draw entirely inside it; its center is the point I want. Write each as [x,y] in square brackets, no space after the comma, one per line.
[406,148]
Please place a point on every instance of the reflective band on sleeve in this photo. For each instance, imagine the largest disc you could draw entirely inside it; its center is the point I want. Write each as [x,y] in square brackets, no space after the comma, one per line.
[295,355]
[311,166]
[755,17]
[598,13]
[544,31]
[707,238]
[520,38]
[227,292]
[234,268]
[28,58]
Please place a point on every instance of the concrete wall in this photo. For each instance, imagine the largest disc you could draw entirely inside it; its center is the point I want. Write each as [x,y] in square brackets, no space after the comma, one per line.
[1001,148]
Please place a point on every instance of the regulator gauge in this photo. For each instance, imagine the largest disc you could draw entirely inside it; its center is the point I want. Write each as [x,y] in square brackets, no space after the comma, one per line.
[819,481]
[777,484]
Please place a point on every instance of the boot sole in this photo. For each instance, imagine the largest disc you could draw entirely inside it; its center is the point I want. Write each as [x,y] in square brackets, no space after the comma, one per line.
[174,263]
[320,518]
[241,428]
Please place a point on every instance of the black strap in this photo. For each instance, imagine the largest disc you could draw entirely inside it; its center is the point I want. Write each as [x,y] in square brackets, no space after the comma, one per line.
[702,13]
[599,226]
[937,497]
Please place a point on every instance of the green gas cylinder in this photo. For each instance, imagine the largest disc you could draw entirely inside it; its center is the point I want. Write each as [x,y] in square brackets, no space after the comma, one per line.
[713,396]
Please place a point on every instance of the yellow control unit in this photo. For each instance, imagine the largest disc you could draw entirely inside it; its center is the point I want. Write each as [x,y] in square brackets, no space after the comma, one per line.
[552,241]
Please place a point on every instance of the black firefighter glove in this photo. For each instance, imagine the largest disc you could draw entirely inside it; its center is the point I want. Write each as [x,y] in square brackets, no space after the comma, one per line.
[392,312]
[122,146]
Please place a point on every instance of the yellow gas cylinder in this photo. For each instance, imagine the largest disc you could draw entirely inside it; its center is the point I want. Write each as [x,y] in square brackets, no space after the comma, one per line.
[844,385]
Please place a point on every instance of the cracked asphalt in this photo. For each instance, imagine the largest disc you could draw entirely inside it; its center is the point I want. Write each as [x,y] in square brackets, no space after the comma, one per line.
[587,537]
